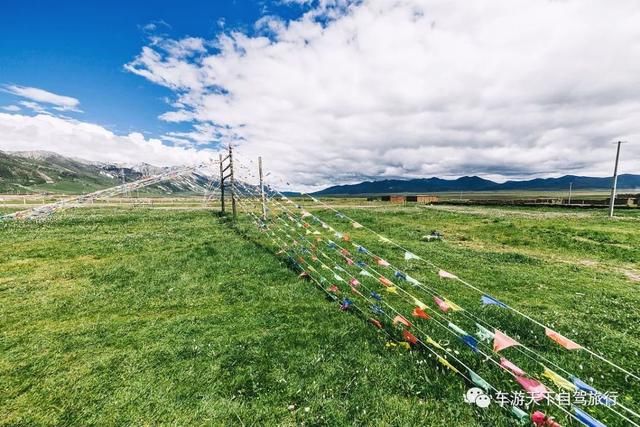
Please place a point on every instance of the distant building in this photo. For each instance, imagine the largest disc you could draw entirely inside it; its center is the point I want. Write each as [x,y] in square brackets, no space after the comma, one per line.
[426,199]
[397,199]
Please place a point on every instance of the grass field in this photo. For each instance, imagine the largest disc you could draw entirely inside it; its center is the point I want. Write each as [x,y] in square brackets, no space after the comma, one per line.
[138,316]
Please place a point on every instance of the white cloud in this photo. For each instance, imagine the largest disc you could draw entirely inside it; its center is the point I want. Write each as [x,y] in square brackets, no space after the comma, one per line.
[11,108]
[89,141]
[60,102]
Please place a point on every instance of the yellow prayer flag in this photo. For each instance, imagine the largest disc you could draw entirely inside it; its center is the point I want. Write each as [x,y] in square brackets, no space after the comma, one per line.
[434,343]
[558,380]
[445,362]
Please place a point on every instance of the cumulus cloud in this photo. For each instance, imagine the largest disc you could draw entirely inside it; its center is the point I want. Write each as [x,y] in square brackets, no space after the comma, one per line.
[89,141]
[36,95]
[11,108]
[404,88]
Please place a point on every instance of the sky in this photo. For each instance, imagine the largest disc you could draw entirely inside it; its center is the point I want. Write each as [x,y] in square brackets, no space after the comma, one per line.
[328,91]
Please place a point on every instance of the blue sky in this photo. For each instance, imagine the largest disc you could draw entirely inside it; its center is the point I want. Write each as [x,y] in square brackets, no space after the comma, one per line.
[78,49]
[328,91]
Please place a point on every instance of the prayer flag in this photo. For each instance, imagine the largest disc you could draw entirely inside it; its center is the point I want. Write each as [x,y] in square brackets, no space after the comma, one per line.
[344,252]
[402,320]
[522,416]
[377,309]
[356,225]
[446,275]
[470,341]
[400,275]
[333,289]
[361,264]
[385,281]
[331,244]
[305,214]
[376,323]
[346,238]
[354,282]
[418,312]
[349,261]
[392,290]
[536,389]
[303,274]
[457,329]
[479,381]
[434,343]
[452,306]
[346,304]
[411,280]
[563,341]
[409,337]
[381,262]
[365,273]
[445,362]
[376,296]
[586,419]
[483,333]
[338,235]
[409,256]
[487,300]
[384,239]
[558,380]
[512,367]
[419,303]
[502,341]
[441,304]
[362,250]
[338,278]
[405,345]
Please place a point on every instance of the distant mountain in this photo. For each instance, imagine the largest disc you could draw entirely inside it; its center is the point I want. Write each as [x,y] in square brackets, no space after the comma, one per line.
[44,171]
[474,183]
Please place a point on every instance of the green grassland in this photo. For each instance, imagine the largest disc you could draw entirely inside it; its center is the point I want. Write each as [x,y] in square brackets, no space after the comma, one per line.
[115,316]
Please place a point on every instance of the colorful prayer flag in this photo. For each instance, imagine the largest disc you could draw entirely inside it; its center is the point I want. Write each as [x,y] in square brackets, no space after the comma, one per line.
[345,252]
[377,309]
[362,250]
[376,296]
[338,278]
[376,323]
[381,262]
[502,341]
[409,256]
[354,282]
[452,306]
[586,419]
[479,381]
[536,389]
[391,289]
[441,304]
[446,275]
[511,366]
[400,275]
[409,337]
[346,304]
[402,320]
[487,300]
[349,261]
[419,312]
[445,362]
[411,280]
[384,239]
[365,273]
[434,343]
[558,380]
[563,341]
[419,303]
[356,225]
[483,333]
[385,281]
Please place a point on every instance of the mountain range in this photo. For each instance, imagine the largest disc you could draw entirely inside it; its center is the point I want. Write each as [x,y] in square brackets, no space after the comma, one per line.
[475,183]
[26,172]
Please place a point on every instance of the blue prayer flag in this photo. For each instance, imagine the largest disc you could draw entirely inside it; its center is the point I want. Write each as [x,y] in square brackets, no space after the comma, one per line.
[487,300]
[586,419]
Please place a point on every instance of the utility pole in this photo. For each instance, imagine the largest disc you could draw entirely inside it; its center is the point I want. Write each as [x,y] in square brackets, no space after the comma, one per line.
[233,190]
[614,182]
[221,185]
[570,189]
[264,206]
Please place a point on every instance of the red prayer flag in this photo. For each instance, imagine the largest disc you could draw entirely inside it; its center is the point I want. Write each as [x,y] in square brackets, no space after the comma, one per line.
[400,319]
[409,337]
[441,304]
[536,389]
[376,323]
[510,366]
[385,281]
[418,312]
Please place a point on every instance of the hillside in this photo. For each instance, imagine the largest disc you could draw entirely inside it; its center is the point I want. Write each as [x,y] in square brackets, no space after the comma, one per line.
[43,171]
[474,183]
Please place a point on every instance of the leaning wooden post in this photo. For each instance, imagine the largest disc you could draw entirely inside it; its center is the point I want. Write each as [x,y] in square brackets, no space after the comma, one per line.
[221,185]
[233,189]
[264,205]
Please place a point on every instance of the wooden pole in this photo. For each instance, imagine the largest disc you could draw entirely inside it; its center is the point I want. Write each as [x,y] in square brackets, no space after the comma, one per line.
[221,186]
[614,182]
[264,206]
[233,190]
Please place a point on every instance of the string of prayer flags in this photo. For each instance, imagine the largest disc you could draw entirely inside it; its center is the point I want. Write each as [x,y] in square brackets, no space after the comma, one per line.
[409,337]
[409,256]
[418,312]
[381,262]
[502,341]
[356,225]
[401,320]
[483,333]
[563,341]
[478,380]
[445,362]
[487,300]
[446,275]
[535,388]
[400,275]
[585,418]
[511,366]
[376,323]
[385,281]
[558,379]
